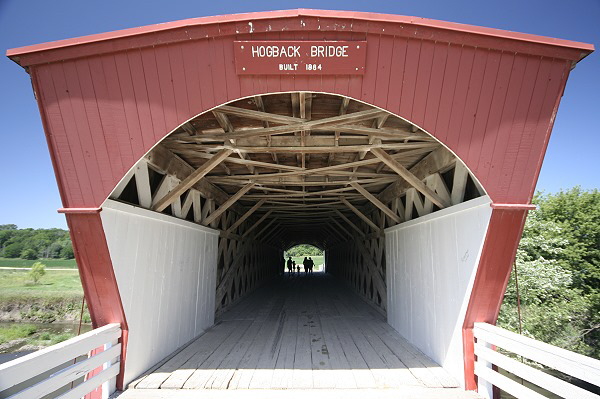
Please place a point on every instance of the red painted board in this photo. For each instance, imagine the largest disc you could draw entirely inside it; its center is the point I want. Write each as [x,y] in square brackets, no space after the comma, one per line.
[97,275]
[497,256]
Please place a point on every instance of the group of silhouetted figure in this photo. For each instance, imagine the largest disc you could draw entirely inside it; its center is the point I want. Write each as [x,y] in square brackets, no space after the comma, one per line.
[295,268]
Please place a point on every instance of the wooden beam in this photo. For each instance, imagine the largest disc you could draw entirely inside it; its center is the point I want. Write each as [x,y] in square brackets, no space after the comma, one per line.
[225,123]
[265,165]
[266,215]
[166,162]
[410,178]
[246,215]
[219,211]
[282,182]
[342,111]
[359,214]
[316,149]
[260,115]
[376,202]
[358,230]
[261,231]
[341,227]
[437,160]
[296,127]
[189,181]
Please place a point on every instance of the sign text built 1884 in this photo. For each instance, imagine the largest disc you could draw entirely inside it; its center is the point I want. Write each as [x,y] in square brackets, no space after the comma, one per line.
[300,57]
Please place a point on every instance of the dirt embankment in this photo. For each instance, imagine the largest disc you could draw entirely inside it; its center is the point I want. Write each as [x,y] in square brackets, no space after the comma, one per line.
[42,310]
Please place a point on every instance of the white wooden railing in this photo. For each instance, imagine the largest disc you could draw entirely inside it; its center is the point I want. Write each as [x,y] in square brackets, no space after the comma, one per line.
[581,367]
[52,370]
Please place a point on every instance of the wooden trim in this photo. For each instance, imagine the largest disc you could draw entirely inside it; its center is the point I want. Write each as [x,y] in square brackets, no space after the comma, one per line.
[79,210]
[516,207]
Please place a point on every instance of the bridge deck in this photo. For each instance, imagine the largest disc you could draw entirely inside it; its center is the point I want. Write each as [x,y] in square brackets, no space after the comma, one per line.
[299,333]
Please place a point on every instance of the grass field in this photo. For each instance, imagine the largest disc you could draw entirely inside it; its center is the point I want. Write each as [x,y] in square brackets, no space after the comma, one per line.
[56,298]
[50,263]
[17,283]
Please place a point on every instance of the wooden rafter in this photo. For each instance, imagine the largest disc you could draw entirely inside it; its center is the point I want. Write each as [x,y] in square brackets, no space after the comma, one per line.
[296,127]
[245,216]
[376,202]
[227,204]
[189,181]
[359,213]
[350,223]
[410,178]
[316,149]
[255,225]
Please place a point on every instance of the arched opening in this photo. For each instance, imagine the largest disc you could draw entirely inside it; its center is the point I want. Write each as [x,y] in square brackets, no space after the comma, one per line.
[266,173]
[301,253]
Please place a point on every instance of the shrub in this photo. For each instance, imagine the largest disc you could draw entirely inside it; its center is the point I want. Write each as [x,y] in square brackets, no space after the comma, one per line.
[37,272]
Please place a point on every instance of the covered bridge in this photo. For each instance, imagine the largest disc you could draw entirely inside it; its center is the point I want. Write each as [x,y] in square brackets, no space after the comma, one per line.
[190,155]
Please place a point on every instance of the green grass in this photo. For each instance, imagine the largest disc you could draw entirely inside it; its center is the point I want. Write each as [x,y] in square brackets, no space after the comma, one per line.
[17,331]
[33,335]
[57,296]
[50,263]
[17,283]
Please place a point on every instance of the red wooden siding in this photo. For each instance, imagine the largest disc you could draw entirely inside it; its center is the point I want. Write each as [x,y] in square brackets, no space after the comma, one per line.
[499,249]
[492,109]
[490,96]
[97,275]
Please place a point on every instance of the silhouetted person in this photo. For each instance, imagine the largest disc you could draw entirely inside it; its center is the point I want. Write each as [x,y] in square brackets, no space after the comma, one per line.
[289,265]
[294,267]
[305,263]
[311,264]
[298,269]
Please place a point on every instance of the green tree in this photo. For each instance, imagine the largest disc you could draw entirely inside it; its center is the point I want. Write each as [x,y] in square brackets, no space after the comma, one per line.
[38,270]
[13,250]
[29,254]
[67,252]
[557,263]
[304,250]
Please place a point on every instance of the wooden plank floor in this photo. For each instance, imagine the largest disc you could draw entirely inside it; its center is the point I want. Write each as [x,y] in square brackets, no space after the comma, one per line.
[299,333]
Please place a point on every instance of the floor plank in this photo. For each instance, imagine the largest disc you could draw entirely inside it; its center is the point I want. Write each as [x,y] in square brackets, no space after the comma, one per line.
[306,332]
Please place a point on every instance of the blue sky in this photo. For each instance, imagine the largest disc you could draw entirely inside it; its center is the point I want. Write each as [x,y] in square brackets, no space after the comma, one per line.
[28,192]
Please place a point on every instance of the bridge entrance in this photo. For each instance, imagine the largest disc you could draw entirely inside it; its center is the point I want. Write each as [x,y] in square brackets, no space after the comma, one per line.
[301,332]
[186,168]
[269,172]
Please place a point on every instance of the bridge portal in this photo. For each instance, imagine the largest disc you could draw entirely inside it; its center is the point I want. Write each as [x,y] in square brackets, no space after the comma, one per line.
[190,155]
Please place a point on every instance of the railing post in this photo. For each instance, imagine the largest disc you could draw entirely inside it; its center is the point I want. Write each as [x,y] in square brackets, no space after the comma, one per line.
[484,388]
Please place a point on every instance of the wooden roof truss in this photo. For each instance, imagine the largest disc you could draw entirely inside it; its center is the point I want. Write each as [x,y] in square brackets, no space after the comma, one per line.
[298,167]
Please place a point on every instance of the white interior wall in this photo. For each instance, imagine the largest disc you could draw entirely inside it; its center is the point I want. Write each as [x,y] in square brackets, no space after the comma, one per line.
[166,273]
[431,263]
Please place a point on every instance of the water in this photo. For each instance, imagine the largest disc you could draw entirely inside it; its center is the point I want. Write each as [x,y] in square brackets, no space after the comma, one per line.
[52,328]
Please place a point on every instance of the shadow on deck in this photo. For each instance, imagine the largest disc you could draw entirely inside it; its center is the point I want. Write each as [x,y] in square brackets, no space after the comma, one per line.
[298,333]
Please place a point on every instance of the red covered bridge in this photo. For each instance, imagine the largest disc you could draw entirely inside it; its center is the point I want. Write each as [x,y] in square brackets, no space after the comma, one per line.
[190,155]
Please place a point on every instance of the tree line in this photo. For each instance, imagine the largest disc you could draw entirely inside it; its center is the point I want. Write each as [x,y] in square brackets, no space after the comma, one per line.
[34,243]
[303,250]
[558,273]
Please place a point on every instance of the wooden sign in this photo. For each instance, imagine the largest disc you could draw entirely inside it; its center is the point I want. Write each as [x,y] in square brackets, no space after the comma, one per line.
[300,57]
